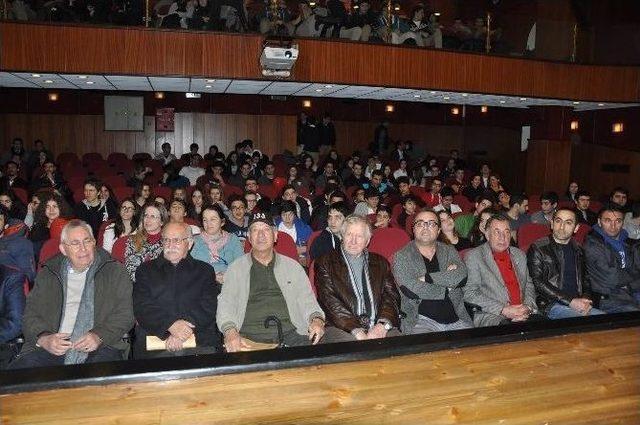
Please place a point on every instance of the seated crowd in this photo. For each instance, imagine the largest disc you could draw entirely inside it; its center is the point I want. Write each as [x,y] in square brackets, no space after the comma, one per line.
[237,252]
[361,20]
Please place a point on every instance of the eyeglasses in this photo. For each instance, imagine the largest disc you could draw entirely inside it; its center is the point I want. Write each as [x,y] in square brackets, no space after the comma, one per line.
[174,241]
[424,224]
[123,208]
[152,216]
[85,243]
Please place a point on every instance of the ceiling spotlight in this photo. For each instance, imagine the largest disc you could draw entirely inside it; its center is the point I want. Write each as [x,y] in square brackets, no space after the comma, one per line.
[432,92]
[417,96]
[328,86]
[91,82]
[53,97]
[35,75]
[208,86]
[437,13]
[523,99]
[600,104]
[576,103]
[464,95]
[484,109]
[211,81]
[446,98]
[159,95]
[48,81]
[503,101]
[318,90]
[396,8]
[312,4]
[82,77]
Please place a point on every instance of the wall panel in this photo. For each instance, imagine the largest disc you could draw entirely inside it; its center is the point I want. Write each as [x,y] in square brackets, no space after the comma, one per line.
[140,51]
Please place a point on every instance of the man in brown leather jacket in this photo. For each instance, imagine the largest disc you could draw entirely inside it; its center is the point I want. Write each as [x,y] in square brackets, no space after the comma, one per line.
[356,288]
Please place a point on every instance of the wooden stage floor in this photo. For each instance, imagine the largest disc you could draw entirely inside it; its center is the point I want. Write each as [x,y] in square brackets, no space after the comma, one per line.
[584,378]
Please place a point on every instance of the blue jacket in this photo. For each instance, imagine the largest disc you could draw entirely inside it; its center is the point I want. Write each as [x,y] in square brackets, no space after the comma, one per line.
[228,253]
[303,231]
[16,251]
[12,301]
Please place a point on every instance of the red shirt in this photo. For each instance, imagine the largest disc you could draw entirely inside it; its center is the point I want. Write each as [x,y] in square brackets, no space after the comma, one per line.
[431,200]
[503,261]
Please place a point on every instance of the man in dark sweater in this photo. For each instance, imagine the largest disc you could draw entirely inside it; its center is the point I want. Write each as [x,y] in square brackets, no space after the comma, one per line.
[175,299]
[92,209]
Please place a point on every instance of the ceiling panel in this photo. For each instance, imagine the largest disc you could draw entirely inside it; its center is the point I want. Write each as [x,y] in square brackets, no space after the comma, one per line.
[282,88]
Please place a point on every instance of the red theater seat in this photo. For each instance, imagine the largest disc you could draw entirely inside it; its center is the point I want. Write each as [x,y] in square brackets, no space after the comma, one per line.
[387,242]
[531,232]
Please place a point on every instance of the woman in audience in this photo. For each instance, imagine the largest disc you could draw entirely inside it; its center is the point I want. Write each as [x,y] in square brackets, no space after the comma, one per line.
[503,201]
[179,193]
[214,245]
[142,194]
[387,176]
[495,184]
[178,213]
[401,171]
[448,233]
[309,168]
[195,206]
[478,235]
[36,200]
[51,207]
[383,217]
[572,190]
[16,209]
[232,163]
[216,197]
[107,195]
[293,179]
[125,223]
[93,209]
[146,243]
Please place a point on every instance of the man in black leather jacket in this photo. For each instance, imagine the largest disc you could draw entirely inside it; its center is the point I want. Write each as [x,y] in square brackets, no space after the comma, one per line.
[613,262]
[556,265]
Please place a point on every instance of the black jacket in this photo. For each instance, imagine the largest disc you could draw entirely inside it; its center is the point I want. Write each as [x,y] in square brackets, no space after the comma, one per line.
[164,293]
[592,218]
[604,271]
[546,267]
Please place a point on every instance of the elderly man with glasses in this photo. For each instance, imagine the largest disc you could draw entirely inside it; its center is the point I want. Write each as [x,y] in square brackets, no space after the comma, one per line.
[430,275]
[175,300]
[80,306]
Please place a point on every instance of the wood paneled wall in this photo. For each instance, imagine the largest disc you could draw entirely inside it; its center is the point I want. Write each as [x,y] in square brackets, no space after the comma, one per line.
[548,166]
[140,51]
[85,133]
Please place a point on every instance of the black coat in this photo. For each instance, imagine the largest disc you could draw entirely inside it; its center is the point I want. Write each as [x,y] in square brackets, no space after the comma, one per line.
[164,293]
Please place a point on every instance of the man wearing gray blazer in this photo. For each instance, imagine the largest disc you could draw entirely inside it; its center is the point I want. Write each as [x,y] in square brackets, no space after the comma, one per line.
[498,280]
[430,275]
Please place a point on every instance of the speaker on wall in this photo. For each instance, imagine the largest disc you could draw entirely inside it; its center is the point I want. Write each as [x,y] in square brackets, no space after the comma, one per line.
[124,113]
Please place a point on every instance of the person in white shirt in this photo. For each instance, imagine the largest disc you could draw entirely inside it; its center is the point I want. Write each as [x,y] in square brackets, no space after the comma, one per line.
[446,202]
[192,171]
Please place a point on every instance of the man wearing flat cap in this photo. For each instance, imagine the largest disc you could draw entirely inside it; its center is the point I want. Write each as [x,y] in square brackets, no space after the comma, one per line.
[264,284]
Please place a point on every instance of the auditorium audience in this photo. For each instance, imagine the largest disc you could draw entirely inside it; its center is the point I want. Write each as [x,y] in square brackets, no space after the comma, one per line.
[632,221]
[291,224]
[51,207]
[165,156]
[178,214]
[13,205]
[548,205]
[330,238]
[16,250]
[11,178]
[583,213]
[93,209]
[237,220]
[448,233]
[464,222]
[12,300]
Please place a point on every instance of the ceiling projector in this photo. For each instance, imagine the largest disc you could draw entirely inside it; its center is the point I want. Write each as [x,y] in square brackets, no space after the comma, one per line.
[278,58]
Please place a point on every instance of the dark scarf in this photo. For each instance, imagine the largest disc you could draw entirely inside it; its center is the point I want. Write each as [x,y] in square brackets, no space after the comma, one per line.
[616,244]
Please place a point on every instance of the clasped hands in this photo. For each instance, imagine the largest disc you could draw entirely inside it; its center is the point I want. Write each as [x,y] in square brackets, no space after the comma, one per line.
[59,343]
[179,331]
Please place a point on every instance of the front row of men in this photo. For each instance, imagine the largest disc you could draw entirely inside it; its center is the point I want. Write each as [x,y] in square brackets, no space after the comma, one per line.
[83,303]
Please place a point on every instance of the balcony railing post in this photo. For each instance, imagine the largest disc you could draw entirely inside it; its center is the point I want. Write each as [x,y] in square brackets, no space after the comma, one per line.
[487,45]
[575,42]
[147,18]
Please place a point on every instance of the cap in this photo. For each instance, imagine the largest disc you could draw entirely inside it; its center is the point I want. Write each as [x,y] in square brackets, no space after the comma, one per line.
[261,216]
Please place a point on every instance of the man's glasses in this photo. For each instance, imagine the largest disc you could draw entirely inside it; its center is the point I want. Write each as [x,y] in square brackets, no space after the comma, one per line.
[85,243]
[173,241]
[421,224]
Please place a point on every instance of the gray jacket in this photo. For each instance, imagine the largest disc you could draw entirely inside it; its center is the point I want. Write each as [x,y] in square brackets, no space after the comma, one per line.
[292,280]
[486,288]
[408,268]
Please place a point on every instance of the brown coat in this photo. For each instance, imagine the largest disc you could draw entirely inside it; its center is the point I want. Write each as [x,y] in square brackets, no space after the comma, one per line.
[338,300]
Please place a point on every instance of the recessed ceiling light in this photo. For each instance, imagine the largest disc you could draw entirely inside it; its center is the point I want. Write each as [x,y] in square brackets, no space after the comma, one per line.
[446,98]
[35,75]
[432,92]
[328,86]
[48,81]
[91,82]
[503,101]
[437,14]
[211,81]
[600,104]
[208,86]
[318,90]
[417,96]
[82,77]
[576,103]
[523,99]
[464,95]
